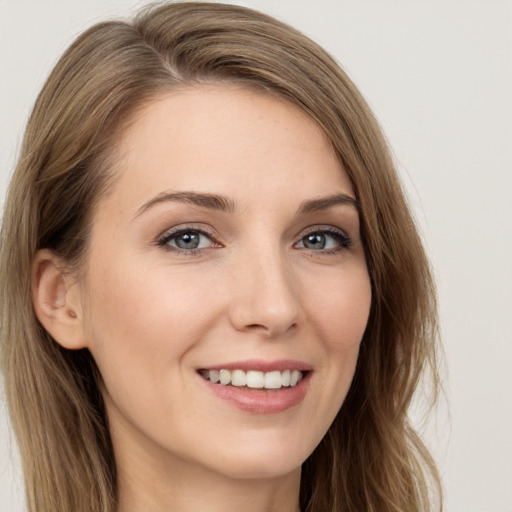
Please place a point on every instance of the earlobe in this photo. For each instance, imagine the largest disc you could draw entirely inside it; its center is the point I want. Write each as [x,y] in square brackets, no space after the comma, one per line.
[57,300]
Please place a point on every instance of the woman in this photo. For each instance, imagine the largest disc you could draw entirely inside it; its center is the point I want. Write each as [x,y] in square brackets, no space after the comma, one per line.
[213,293]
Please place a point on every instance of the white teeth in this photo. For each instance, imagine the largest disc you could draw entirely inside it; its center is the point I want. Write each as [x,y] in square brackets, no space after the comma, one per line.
[225,377]
[273,380]
[294,377]
[238,378]
[254,379]
[214,375]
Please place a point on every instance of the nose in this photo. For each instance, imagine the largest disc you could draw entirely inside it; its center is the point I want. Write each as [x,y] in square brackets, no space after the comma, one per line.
[265,299]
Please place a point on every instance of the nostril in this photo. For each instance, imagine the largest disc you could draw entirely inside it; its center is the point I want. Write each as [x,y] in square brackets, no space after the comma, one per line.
[270,314]
[271,331]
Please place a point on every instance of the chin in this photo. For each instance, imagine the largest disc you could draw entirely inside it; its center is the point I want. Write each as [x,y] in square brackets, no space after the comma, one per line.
[261,460]
[259,469]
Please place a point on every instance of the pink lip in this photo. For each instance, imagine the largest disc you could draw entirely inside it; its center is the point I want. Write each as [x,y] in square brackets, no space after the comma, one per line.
[262,366]
[261,401]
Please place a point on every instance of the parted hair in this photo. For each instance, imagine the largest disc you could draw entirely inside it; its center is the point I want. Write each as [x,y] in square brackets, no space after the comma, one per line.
[371,459]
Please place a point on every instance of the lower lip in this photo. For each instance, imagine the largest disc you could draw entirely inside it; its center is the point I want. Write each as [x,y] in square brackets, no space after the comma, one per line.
[261,401]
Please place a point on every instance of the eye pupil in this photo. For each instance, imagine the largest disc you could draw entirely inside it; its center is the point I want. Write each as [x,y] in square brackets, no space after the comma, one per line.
[187,240]
[314,241]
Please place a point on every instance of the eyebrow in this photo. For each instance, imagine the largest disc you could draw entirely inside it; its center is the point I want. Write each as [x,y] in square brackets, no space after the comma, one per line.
[323,203]
[209,201]
[225,204]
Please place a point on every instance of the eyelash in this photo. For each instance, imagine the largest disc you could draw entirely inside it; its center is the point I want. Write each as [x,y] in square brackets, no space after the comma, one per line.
[340,236]
[167,237]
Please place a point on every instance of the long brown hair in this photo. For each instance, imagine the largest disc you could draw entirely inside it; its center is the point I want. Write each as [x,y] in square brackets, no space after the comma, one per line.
[371,458]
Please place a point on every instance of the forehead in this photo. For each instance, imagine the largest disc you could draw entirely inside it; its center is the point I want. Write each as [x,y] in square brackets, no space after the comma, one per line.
[228,140]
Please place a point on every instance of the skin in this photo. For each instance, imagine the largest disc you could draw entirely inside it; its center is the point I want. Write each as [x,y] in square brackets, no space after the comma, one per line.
[152,316]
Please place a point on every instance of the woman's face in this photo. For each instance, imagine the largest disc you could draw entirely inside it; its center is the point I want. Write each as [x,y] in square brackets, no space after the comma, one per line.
[230,241]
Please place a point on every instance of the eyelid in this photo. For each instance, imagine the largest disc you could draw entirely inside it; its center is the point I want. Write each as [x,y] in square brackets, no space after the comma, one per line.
[323,227]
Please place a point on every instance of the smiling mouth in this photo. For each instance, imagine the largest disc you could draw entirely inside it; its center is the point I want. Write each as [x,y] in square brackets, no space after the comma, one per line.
[253,379]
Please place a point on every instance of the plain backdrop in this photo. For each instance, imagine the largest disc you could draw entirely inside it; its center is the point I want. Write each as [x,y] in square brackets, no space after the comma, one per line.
[438,74]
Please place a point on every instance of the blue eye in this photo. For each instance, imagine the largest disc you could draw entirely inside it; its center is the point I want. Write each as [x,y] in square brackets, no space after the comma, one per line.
[324,240]
[187,240]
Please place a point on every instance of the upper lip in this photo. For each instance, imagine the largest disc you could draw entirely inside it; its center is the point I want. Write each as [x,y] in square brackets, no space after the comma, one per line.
[261,365]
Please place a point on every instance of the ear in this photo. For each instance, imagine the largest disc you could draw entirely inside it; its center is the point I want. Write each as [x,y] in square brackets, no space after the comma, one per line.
[56,297]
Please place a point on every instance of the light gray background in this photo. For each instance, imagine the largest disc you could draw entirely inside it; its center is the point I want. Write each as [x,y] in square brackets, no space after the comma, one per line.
[438,74]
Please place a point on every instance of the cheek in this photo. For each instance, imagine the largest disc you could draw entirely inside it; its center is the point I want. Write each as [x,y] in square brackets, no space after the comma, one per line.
[141,325]
[341,309]
[339,314]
